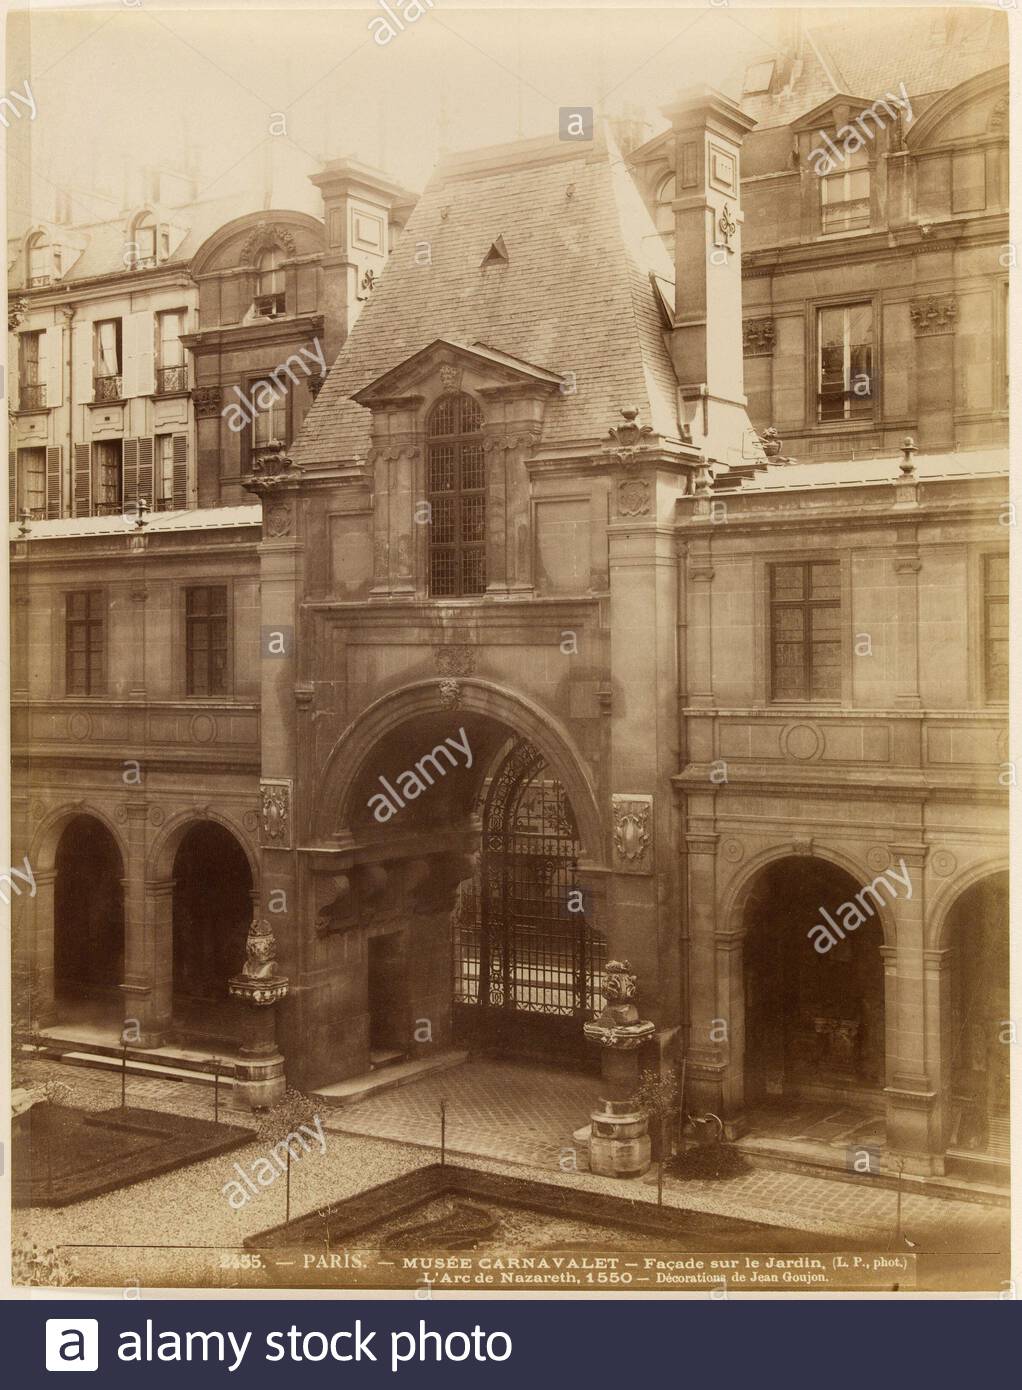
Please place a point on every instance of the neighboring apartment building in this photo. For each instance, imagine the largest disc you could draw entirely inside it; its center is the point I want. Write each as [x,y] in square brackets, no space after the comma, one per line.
[875,238]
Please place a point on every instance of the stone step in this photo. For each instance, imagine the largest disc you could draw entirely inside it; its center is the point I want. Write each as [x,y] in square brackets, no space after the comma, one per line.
[57,1042]
[385,1059]
[357,1088]
[103,1062]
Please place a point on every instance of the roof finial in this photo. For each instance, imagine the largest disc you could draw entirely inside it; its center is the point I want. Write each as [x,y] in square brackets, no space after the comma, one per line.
[907,464]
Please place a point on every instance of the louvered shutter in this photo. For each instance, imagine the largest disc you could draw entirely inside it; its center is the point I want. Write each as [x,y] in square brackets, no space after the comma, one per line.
[145,470]
[83,480]
[53,480]
[130,488]
[180,472]
[12,484]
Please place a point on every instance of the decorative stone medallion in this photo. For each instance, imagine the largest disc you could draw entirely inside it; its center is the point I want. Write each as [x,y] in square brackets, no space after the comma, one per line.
[454,660]
[943,863]
[278,520]
[79,726]
[732,850]
[275,798]
[878,857]
[633,497]
[802,742]
[633,825]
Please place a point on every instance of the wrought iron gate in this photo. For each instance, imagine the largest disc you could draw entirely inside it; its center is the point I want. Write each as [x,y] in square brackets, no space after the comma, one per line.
[528,969]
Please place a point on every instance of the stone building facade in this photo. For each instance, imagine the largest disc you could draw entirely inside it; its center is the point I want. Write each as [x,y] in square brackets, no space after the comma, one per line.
[504,693]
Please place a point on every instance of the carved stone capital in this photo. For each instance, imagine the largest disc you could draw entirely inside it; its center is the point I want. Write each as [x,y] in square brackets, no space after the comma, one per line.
[933,316]
[207,401]
[758,336]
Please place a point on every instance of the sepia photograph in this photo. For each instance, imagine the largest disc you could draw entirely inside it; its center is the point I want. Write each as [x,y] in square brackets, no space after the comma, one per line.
[510,516]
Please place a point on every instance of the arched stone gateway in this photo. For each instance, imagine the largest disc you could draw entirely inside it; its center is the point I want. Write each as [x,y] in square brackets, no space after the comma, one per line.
[410,956]
[980,1029]
[212,908]
[814,984]
[88,921]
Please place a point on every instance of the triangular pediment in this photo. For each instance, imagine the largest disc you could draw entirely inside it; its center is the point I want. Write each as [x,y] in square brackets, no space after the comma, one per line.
[500,368]
[838,107]
[497,254]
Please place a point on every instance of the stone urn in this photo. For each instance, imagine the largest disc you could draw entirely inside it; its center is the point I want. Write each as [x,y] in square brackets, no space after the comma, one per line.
[259,1074]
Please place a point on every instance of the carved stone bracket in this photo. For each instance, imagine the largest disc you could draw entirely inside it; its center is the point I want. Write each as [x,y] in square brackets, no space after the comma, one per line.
[275,805]
[758,336]
[633,829]
[932,316]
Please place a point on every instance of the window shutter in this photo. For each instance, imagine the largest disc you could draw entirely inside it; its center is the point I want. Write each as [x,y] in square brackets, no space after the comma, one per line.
[145,469]
[83,480]
[53,366]
[12,483]
[53,470]
[180,472]
[129,495]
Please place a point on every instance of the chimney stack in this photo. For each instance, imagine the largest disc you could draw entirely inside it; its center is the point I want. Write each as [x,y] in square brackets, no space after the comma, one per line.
[363,211]
[706,341]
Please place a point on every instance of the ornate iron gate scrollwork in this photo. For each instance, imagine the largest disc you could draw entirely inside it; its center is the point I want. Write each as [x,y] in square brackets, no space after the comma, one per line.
[527,968]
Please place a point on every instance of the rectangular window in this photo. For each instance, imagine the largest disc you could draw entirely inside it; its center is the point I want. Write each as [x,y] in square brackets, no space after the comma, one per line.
[995,626]
[969,182]
[84,643]
[845,194]
[32,473]
[171,372]
[845,381]
[206,640]
[269,426]
[32,393]
[164,472]
[106,359]
[106,459]
[805,630]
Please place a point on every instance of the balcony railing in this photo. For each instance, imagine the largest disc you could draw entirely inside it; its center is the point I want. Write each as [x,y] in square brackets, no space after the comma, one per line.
[163,504]
[170,379]
[107,388]
[33,397]
[107,508]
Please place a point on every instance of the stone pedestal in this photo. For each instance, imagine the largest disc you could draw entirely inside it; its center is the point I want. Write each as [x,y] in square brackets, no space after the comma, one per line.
[619,1137]
[619,1140]
[259,1075]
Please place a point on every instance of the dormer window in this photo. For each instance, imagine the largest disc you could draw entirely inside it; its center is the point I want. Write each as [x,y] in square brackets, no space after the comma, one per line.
[663,212]
[269,298]
[40,260]
[145,242]
[845,195]
[456,492]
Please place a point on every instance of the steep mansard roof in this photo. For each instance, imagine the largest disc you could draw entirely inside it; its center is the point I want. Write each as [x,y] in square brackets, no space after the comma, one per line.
[573,295]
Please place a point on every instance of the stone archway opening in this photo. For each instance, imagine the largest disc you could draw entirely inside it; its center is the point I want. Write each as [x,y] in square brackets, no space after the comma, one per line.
[415,955]
[88,921]
[814,1000]
[212,909]
[981,1028]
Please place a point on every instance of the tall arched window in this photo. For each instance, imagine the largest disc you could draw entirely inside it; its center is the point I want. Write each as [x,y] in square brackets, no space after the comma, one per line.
[456,491]
[270,281]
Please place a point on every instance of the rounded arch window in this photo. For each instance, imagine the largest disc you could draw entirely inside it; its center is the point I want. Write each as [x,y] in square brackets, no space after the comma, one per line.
[145,240]
[664,213]
[39,259]
[456,492]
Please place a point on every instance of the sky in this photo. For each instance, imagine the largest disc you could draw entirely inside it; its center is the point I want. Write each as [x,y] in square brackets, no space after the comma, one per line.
[268,94]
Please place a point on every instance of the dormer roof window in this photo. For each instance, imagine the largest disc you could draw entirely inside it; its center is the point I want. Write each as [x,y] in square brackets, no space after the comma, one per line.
[270,302]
